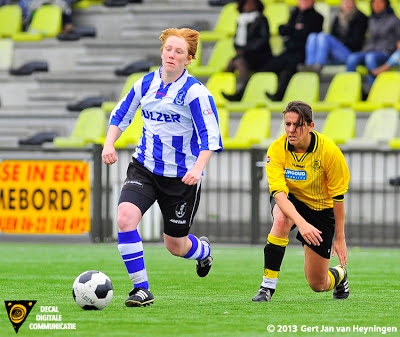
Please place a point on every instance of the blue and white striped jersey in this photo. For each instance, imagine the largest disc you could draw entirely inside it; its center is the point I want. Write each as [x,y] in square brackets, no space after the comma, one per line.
[180,120]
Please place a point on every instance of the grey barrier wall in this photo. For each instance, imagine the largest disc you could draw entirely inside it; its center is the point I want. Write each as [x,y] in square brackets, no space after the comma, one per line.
[234,205]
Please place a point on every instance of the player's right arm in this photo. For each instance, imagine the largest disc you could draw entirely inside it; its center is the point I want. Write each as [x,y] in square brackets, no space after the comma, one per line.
[310,234]
[109,154]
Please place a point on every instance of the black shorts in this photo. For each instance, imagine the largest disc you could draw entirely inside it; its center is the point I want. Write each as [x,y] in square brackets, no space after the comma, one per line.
[323,220]
[178,202]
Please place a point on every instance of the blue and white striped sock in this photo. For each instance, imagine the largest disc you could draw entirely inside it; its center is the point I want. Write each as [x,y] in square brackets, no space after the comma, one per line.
[131,248]
[200,250]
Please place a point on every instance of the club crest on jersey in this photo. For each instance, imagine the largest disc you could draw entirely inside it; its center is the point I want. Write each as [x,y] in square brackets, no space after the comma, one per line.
[207,112]
[316,165]
[180,210]
[180,97]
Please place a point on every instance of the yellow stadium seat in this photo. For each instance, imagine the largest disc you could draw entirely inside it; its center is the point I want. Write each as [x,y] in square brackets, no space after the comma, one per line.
[365,7]
[10,20]
[385,92]
[302,86]
[89,127]
[223,119]
[225,26]
[6,54]
[343,91]
[46,23]
[340,125]
[108,106]
[221,82]
[253,127]
[381,127]
[254,94]
[85,4]
[277,14]
[223,51]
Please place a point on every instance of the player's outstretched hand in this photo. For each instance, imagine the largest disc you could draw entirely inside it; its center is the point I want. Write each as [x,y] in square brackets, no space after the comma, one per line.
[109,154]
[340,248]
[310,234]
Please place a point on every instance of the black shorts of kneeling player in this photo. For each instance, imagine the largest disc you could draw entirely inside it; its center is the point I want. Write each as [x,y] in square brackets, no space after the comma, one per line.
[178,201]
[323,220]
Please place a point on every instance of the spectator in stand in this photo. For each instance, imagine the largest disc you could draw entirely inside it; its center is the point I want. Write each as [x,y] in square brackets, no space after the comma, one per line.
[5,2]
[29,6]
[383,32]
[347,36]
[303,20]
[251,44]
[394,60]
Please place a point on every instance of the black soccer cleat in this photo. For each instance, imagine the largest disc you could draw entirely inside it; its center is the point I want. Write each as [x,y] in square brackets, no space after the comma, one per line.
[263,295]
[139,297]
[204,266]
[342,290]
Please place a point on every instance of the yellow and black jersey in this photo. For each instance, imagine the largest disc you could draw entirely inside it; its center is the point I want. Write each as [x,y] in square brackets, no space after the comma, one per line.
[317,177]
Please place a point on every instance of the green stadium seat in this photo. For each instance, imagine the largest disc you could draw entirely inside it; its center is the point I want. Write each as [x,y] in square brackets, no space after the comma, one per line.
[221,54]
[385,92]
[365,7]
[254,126]
[343,91]
[85,4]
[108,106]
[221,82]
[340,125]
[90,126]
[46,23]
[10,20]
[254,94]
[197,61]
[381,127]
[225,26]
[302,86]
[6,54]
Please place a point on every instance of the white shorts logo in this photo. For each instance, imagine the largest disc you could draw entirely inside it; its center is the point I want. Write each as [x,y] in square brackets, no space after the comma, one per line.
[180,210]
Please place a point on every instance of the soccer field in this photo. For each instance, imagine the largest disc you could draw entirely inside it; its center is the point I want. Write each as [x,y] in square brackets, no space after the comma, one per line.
[186,305]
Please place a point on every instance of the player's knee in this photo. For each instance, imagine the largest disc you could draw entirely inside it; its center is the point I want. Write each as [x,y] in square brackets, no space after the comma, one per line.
[317,285]
[281,224]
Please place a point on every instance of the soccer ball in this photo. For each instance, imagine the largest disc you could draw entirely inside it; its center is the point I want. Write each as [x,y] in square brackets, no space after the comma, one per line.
[92,290]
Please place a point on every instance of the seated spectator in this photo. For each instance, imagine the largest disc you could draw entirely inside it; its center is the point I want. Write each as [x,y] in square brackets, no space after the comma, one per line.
[29,6]
[347,36]
[303,20]
[251,44]
[394,60]
[383,33]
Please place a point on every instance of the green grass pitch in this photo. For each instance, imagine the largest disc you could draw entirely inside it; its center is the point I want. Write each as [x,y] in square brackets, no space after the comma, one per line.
[186,305]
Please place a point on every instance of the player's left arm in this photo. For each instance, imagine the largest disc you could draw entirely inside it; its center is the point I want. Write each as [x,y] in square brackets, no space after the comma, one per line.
[193,176]
[339,245]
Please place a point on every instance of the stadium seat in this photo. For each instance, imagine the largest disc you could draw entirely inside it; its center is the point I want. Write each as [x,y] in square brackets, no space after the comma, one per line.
[277,14]
[302,86]
[221,54]
[254,94]
[266,142]
[325,10]
[253,127]
[223,119]
[90,126]
[196,62]
[85,4]
[343,90]
[131,135]
[381,127]
[108,106]
[10,20]
[6,54]
[225,26]
[385,92]
[365,7]
[221,82]
[46,23]
[340,125]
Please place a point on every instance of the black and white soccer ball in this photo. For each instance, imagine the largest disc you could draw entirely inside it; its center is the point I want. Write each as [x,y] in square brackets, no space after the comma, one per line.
[92,290]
